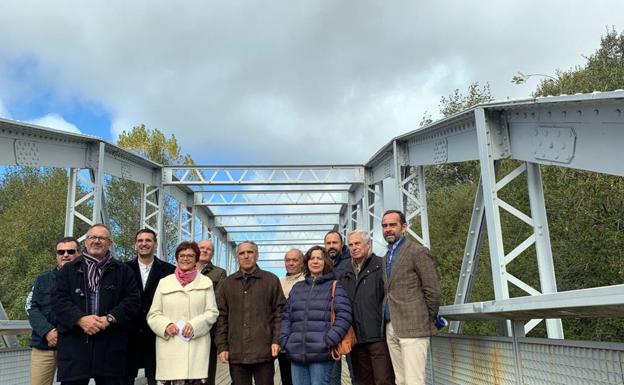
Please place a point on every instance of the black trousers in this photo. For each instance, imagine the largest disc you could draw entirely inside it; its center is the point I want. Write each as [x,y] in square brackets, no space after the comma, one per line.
[212,359]
[151,379]
[285,373]
[262,373]
[372,364]
[98,381]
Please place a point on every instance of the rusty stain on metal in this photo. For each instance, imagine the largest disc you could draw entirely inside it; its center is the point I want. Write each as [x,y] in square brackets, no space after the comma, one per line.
[453,361]
[495,363]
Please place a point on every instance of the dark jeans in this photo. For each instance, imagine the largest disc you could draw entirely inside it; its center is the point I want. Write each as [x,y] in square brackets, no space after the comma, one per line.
[98,381]
[372,364]
[285,372]
[261,373]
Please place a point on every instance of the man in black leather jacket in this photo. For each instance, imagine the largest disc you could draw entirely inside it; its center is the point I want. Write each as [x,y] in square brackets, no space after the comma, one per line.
[364,282]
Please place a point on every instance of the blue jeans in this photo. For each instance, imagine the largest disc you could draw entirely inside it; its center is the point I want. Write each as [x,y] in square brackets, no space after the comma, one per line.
[314,373]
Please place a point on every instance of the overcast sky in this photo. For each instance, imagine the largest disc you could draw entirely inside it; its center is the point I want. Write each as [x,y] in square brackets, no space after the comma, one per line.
[247,82]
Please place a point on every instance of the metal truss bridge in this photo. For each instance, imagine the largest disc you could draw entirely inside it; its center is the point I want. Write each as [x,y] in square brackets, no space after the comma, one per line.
[282,207]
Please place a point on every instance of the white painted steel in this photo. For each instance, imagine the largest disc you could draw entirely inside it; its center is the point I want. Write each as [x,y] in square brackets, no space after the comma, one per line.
[545,265]
[484,125]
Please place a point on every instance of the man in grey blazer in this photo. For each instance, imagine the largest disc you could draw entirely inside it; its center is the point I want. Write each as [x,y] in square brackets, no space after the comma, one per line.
[413,298]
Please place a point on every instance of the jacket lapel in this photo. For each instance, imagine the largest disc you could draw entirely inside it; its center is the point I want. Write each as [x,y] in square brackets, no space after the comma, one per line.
[134,265]
[398,258]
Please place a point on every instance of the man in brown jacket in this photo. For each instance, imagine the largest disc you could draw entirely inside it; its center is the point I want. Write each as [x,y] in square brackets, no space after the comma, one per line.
[250,305]
[413,298]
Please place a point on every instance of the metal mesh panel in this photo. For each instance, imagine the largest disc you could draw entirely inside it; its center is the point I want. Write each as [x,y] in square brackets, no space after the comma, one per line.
[15,366]
[470,361]
[567,365]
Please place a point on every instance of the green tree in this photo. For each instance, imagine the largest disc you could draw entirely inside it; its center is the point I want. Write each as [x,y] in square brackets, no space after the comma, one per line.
[124,196]
[603,71]
[153,145]
[32,213]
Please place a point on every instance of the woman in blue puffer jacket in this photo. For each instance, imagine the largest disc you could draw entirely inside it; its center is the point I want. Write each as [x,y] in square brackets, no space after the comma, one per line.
[306,333]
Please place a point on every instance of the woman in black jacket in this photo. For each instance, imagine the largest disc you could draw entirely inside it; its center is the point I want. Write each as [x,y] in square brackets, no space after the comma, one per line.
[306,332]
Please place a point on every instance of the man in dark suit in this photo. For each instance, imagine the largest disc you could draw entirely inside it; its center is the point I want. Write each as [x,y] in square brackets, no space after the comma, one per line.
[413,298]
[148,270]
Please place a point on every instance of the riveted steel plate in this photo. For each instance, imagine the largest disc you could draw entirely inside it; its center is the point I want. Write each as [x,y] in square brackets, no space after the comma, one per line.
[27,153]
[440,151]
[556,144]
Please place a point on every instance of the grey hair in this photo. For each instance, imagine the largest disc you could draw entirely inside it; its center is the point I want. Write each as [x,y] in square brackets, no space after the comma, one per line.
[299,254]
[253,244]
[366,238]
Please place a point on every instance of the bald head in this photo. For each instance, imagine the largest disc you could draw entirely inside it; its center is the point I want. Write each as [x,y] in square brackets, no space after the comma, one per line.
[293,261]
[206,249]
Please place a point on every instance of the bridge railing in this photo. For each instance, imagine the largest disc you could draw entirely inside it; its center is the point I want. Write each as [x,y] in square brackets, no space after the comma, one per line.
[461,359]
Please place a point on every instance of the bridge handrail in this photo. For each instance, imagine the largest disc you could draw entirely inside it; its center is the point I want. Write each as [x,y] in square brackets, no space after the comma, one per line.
[604,301]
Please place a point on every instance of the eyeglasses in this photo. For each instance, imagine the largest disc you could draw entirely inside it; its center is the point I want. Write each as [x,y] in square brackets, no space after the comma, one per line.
[94,238]
[68,251]
[186,256]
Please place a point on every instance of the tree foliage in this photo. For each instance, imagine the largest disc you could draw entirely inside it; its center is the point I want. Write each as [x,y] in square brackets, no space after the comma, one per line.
[603,71]
[154,145]
[457,101]
[32,214]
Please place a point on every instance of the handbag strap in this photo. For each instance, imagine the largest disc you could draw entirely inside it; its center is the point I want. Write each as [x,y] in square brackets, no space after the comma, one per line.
[332,314]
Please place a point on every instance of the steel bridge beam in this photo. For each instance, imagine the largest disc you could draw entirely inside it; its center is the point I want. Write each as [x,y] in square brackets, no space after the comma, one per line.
[262,175]
[273,198]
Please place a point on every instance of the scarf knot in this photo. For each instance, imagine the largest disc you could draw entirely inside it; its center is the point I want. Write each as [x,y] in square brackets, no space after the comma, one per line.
[185,277]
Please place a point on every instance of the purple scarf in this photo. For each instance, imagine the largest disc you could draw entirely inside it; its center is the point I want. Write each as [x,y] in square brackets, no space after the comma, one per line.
[185,277]
[94,269]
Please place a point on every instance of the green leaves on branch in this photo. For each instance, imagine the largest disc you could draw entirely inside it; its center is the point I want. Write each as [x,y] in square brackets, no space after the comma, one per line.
[152,144]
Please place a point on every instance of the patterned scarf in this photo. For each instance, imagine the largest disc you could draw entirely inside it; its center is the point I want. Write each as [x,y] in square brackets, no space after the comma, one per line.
[185,277]
[94,269]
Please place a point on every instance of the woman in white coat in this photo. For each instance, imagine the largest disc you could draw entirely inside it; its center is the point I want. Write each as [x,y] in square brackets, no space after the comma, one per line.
[182,313]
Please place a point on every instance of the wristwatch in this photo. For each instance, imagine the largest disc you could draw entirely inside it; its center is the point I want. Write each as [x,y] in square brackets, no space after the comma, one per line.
[110,318]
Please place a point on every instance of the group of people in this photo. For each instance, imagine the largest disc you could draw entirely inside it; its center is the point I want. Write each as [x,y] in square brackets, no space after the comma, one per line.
[96,317]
